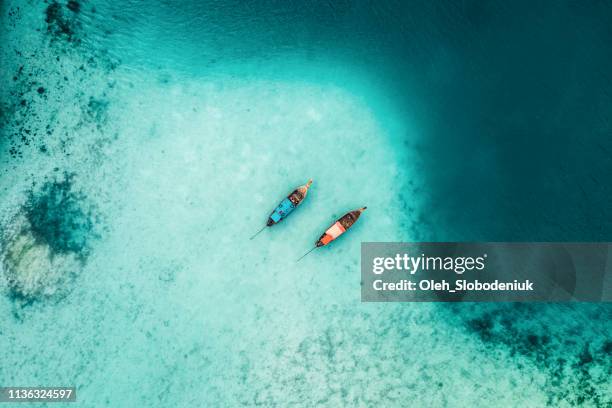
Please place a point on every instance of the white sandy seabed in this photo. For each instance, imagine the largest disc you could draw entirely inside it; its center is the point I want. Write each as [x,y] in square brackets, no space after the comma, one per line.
[175,306]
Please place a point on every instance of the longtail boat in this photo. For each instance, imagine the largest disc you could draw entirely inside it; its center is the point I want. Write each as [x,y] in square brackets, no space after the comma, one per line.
[286,206]
[336,229]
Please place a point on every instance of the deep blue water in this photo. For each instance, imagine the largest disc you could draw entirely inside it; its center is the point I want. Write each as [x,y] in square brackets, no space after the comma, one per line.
[511,99]
[144,142]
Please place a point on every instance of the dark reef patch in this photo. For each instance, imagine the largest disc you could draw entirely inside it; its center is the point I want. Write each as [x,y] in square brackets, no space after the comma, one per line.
[43,83]
[59,218]
[74,6]
[58,24]
[607,348]
[578,369]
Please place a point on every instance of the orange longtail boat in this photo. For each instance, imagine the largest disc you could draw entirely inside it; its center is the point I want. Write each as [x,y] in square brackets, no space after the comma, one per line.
[336,229]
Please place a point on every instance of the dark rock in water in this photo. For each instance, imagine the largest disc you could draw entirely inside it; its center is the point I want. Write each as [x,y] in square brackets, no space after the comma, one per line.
[74,6]
[58,218]
[41,90]
[57,23]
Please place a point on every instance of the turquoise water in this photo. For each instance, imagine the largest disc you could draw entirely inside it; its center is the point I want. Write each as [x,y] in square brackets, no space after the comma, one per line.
[143,143]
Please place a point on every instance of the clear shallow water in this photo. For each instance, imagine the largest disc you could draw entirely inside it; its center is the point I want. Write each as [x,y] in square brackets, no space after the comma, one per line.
[164,135]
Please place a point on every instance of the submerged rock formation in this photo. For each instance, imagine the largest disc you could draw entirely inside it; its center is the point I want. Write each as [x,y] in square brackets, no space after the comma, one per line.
[31,270]
[47,243]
